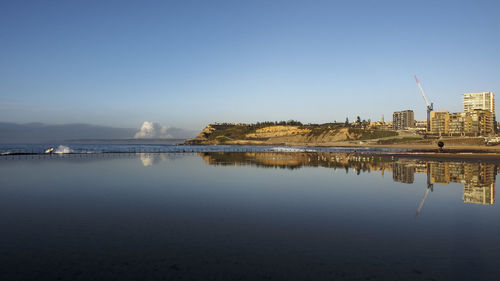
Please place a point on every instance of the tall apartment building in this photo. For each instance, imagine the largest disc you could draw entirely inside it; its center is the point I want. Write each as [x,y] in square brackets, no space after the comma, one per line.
[482,101]
[403,119]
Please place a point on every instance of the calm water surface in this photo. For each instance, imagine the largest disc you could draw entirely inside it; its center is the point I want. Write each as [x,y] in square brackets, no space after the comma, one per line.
[246,216]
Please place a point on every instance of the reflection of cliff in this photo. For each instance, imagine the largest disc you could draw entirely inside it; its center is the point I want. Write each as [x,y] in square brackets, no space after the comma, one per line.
[295,160]
[478,178]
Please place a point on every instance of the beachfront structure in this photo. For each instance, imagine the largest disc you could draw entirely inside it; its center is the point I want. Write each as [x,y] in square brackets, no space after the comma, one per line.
[482,101]
[473,123]
[480,123]
[440,121]
[403,119]
[421,126]
[457,125]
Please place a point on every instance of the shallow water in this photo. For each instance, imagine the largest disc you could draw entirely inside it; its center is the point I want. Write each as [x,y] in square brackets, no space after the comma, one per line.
[246,216]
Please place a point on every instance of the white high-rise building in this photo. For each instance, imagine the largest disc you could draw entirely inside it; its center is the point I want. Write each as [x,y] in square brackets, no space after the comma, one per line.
[483,101]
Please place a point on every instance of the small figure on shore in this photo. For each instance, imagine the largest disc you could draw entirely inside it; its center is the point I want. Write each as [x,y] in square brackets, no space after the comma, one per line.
[440,145]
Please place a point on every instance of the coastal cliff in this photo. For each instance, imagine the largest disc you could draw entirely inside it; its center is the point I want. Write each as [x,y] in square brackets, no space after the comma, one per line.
[290,134]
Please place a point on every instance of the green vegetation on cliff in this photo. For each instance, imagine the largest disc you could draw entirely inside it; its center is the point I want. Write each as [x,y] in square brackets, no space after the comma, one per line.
[319,129]
[371,134]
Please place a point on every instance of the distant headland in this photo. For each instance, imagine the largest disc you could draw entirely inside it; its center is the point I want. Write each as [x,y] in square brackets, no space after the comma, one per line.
[356,134]
[293,133]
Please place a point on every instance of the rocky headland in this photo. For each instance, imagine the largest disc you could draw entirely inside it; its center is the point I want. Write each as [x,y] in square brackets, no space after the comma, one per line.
[269,133]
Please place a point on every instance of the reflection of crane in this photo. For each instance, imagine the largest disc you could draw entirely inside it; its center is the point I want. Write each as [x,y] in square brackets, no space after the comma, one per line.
[430,107]
[430,187]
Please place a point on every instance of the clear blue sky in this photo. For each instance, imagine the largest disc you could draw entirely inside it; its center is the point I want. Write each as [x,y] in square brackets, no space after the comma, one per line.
[189,63]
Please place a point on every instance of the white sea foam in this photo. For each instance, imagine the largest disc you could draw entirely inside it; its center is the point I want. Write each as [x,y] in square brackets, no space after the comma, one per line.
[62,149]
[288,149]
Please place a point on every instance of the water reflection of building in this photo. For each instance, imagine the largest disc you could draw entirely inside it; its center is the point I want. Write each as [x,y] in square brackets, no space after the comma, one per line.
[478,179]
[479,185]
[479,194]
[402,172]
[439,173]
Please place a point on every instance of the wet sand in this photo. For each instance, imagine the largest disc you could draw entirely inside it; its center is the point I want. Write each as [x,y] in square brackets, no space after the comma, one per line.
[469,153]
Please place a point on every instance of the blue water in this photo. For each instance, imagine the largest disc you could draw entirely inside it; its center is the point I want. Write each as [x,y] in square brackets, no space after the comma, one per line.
[246,216]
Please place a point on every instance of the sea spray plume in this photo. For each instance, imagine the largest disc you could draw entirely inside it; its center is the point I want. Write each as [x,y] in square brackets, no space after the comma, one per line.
[62,149]
[151,130]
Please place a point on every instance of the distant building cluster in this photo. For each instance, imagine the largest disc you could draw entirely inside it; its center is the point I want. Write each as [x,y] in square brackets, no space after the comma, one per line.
[477,119]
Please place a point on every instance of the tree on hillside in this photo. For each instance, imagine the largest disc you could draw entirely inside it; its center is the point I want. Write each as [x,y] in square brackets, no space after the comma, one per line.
[364,124]
[346,124]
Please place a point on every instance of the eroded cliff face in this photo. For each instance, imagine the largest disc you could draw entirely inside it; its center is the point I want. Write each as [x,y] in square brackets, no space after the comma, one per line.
[277,131]
[202,138]
[279,134]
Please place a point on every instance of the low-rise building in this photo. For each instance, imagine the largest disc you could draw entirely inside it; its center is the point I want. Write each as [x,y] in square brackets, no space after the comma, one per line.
[421,124]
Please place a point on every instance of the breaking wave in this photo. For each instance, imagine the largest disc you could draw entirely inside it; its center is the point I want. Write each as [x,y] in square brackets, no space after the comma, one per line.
[62,149]
[291,149]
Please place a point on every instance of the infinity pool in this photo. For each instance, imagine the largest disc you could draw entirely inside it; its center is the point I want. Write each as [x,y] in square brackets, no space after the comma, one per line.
[247,216]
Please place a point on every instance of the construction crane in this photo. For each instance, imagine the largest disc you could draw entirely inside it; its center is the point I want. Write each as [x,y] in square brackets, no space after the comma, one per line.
[430,187]
[430,107]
